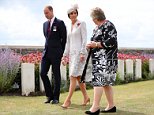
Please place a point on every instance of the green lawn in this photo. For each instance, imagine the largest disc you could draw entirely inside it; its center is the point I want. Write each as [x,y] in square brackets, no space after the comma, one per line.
[131,99]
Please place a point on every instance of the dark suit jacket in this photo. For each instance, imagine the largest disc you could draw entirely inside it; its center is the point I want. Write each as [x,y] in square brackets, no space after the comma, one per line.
[55,40]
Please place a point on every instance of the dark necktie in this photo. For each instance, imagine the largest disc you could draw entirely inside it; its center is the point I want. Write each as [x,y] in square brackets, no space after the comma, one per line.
[48,28]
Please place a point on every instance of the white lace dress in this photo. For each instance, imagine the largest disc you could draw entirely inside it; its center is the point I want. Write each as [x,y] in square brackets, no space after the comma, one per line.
[76,44]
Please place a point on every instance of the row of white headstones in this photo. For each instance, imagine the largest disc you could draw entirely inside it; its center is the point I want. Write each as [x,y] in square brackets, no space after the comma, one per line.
[28,73]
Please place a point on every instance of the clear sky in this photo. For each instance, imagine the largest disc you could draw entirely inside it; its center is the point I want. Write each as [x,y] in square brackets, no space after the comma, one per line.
[21,20]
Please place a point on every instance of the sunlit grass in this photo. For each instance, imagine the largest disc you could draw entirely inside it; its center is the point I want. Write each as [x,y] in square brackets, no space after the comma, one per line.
[131,99]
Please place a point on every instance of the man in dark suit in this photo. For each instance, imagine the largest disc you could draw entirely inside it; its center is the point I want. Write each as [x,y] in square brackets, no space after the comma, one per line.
[55,33]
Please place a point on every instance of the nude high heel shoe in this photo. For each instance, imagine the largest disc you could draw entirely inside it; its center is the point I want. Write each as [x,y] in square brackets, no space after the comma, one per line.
[66,105]
[86,102]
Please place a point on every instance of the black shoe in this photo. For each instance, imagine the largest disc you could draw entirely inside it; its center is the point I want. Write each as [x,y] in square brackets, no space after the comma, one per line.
[55,101]
[93,113]
[48,100]
[113,109]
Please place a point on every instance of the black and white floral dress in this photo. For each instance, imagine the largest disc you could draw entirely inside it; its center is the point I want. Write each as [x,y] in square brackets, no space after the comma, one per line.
[104,60]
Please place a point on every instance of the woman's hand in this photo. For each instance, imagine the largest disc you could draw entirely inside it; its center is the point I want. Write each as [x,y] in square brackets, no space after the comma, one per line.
[64,60]
[82,57]
[92,44]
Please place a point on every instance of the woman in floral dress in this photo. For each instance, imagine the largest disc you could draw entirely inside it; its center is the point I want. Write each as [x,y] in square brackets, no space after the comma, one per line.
[104,61]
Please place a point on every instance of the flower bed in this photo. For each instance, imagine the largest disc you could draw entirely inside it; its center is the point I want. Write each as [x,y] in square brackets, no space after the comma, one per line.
[34,56]
[31,58]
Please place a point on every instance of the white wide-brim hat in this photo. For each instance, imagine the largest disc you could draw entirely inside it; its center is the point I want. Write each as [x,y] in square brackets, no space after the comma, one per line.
[73,8]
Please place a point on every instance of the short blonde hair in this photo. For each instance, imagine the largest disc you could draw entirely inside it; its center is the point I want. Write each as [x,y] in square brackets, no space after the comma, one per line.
[97,13]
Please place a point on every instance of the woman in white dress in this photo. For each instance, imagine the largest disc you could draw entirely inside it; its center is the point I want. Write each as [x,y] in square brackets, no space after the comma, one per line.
[75,51]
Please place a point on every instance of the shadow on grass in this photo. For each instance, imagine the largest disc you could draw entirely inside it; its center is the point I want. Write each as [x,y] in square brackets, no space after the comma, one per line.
[77,107]
[119,112]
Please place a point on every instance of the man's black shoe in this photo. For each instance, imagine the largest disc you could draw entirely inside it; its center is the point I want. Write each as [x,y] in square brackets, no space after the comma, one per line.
[55,101]
[48,100]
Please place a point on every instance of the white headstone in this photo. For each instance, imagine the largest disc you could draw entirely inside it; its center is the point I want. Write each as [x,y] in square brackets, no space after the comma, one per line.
[63,72]
[27,78]
[138,69]
[88,76]
[151,66]
[129,66]
[50,78]
[121,69]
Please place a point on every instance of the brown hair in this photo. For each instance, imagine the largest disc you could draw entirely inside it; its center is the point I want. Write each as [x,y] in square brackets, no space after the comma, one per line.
[71,12]
[50,8]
